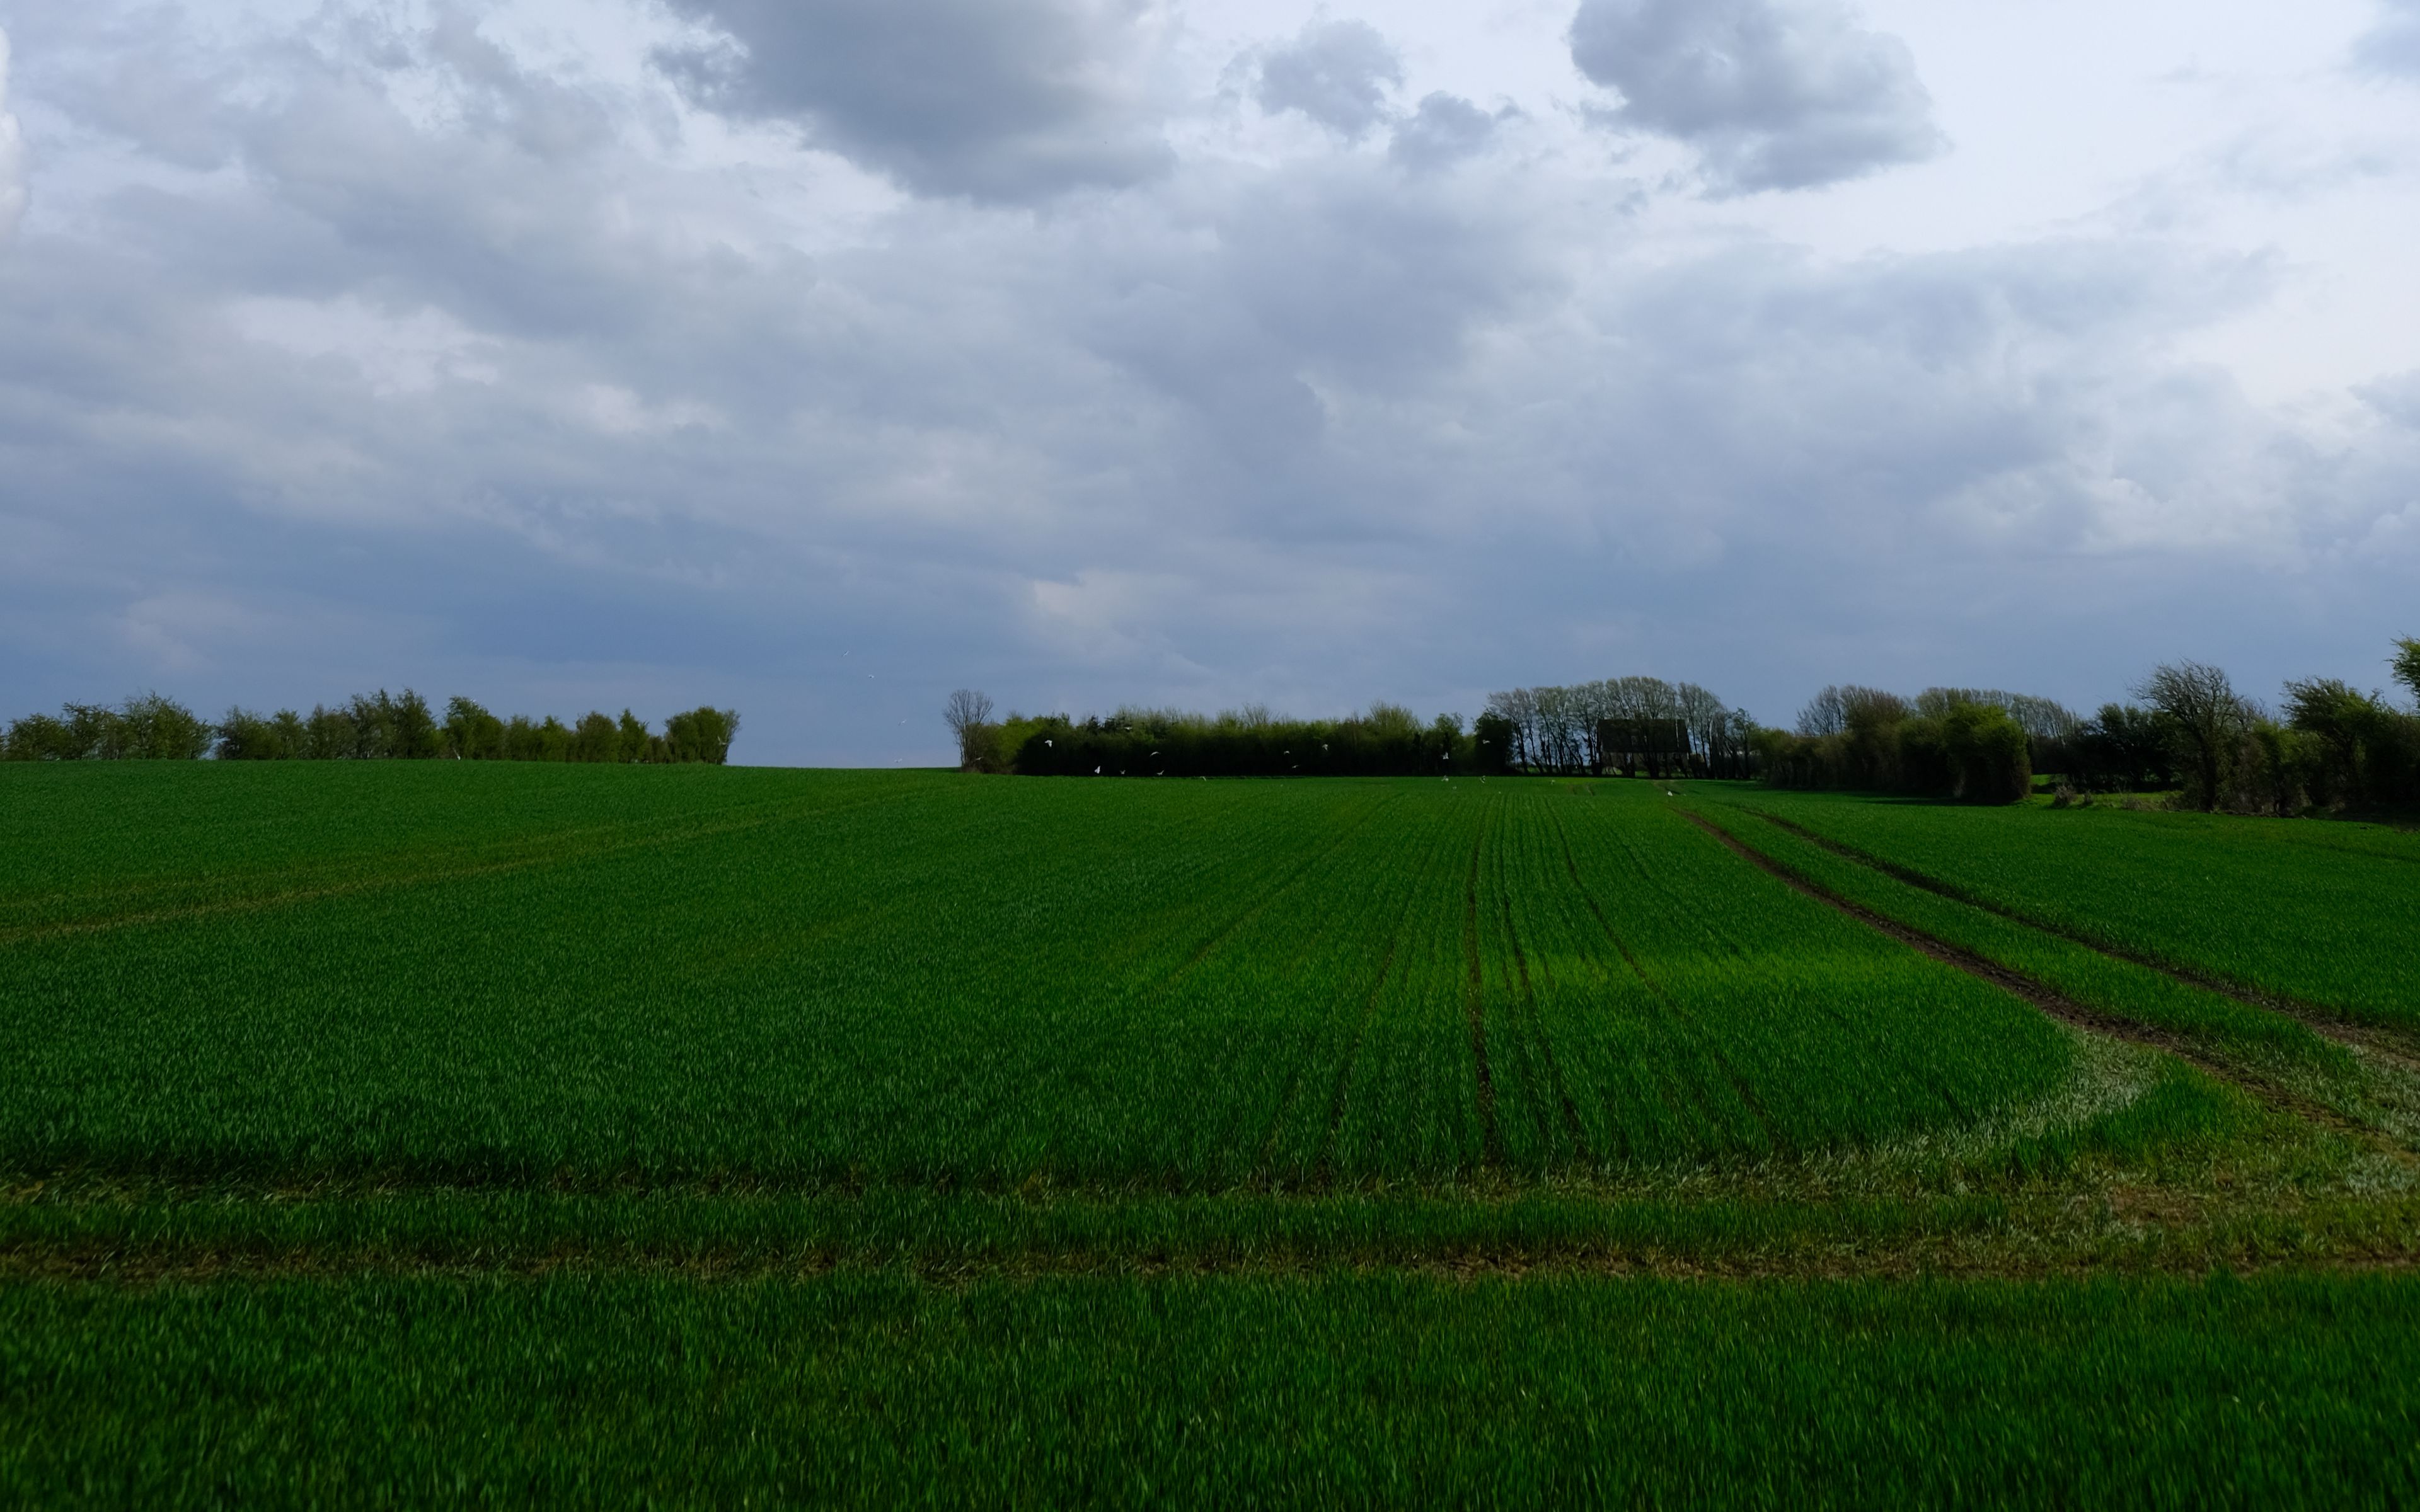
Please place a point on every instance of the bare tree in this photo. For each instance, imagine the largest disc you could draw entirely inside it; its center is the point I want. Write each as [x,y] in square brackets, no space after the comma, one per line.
[2209,716]
[1823,714]
[969,716]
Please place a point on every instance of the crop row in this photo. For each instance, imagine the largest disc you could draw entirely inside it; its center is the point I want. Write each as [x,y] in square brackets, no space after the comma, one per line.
[1350,1390]
[2320,913]
[832,979]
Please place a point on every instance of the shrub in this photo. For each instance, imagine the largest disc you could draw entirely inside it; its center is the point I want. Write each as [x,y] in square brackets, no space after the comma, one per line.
[701,734]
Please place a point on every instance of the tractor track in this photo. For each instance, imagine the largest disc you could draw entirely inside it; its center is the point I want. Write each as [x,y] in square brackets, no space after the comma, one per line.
[2321,1021]
[2066,1009]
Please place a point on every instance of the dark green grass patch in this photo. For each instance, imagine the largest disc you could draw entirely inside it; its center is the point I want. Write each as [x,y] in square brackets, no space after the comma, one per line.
[2091,978]
[833,979]
[2320,913]
[1347,1390]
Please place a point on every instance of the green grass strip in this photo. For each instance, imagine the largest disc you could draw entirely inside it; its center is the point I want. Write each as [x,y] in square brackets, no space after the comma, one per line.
[1331,1391]
[2195,1014]
[2112,1214]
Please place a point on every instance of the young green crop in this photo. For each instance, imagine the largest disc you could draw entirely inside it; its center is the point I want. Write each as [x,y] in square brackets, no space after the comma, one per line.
[2318,914]
[2096,981]
[809,978]
[1350,1390]
[425,1131]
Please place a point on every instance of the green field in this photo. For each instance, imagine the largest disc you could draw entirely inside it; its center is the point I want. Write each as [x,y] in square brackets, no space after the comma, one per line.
[377,1130]
[2320,915]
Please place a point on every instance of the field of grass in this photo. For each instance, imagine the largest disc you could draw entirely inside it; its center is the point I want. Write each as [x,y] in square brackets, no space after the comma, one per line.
[2322,915]
[1355,1390]
[808,980]
[382,1130]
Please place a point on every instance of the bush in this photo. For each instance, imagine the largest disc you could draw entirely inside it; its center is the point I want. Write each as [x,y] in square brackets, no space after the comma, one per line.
[1385,742]
[701,734]
[147,728]
[1971,752]
[370,726]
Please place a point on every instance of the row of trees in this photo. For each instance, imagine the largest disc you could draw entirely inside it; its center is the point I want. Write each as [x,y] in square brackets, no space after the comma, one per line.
[2334,745]
[369,727]
[2331,746]
[1622,724]
[1969,744]
[1386,740]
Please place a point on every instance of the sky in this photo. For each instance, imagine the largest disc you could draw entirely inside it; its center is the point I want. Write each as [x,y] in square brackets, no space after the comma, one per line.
[817,357]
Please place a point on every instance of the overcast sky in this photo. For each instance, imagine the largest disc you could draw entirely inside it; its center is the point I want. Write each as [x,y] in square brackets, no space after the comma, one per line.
[817,357]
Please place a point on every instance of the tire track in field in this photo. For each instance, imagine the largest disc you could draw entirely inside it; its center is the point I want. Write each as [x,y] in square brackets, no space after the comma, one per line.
[1158,988]
[98,905]
[2063,1008]
[1537,1019]
[1674,1014]
[1474,1001]
[1333,1139]
[2319,1020]
[1925,1259]
[263,902]
[1261,906]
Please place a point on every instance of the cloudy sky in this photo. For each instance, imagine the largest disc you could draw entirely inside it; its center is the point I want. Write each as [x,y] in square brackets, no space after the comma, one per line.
[820,356]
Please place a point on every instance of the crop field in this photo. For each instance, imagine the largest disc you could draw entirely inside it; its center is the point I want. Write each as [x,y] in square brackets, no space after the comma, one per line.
[2324,916]
[382,1130]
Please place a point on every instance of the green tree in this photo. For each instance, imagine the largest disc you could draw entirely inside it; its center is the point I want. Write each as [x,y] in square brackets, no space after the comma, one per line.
[595,738]
[470,732]
[412,733]
[39,737]
[636,741]
[2208,717]
[330,735]
[701,734]
[245,736]
[1493,739]
[2343,720]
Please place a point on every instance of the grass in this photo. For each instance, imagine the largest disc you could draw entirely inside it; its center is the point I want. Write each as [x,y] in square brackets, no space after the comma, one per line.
[2322,915]
[824,981]
[389,1133]
[1356,1390]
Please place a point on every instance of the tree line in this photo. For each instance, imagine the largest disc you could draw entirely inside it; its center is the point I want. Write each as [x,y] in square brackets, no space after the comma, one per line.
[1625,724]
[1975,745]
[1385,740]
[2331,746]
[368,727]
[1622,724]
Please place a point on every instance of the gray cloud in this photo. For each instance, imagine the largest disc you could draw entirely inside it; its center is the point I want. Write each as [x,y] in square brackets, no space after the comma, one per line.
[997,100]
[1337,73]
[12,155]
[2393,46]
[428,379]
[1772,94]
[1445,130]
[2397,397]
